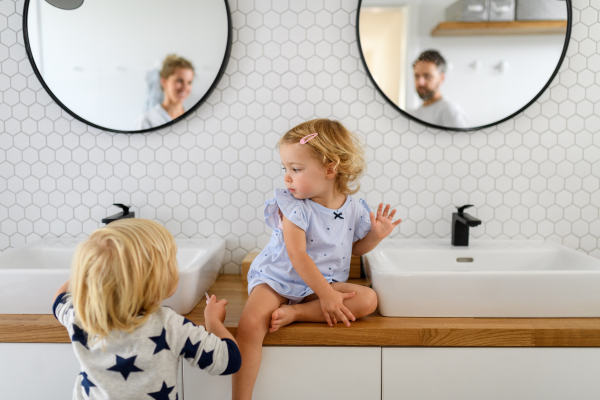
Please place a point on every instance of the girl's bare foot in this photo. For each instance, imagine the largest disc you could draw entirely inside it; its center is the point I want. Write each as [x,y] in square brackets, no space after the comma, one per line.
[281,317]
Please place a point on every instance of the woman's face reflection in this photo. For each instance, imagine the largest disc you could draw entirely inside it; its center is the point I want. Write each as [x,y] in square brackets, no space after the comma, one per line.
[178,86]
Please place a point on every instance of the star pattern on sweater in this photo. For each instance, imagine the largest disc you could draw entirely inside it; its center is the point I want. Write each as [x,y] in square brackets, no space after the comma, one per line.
[79,335]
[189,350]
[206,359]
[86,383]
[125,366]
[163,393]
[187,321]
[161,342]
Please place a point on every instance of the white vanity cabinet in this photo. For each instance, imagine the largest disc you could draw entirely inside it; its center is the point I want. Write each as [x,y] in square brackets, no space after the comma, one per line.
[32,371]
[37,371]
[300,373]
[490,373]
[48,371]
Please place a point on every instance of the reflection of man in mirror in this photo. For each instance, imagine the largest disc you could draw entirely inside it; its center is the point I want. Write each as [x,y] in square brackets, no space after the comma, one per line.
[176,78]
[430,71]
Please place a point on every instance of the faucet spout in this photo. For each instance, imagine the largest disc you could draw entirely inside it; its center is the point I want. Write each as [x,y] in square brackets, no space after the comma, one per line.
[125,213]
[461,222]
[468,220]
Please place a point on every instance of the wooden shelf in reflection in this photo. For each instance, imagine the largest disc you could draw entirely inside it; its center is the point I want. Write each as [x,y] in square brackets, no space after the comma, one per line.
[499,28]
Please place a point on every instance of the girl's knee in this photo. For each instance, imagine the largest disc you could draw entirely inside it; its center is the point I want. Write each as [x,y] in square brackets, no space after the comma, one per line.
[252,325]
[368,302]
[371,301]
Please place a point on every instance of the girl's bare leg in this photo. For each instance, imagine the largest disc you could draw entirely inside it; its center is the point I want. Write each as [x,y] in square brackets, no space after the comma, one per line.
[362,304]
[252,329]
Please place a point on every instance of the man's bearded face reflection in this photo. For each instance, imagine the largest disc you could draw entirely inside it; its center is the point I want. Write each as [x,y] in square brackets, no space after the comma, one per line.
[427,79]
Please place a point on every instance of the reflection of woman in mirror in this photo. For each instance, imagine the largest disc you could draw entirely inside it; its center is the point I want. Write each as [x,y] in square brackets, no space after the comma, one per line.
[176,78]
[430,71]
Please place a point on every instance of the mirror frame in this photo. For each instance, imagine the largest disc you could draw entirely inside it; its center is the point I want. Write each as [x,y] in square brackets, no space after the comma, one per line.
[476,128]
[181,117]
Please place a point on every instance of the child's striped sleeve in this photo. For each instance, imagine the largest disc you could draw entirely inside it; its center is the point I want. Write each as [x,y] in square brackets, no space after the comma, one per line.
[202,349]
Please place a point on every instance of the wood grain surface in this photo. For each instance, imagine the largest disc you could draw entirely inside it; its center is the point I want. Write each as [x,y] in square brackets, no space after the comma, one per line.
[373,330]
[500,28]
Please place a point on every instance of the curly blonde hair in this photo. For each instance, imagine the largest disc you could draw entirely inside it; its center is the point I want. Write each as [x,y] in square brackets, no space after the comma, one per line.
[334,143]
[121,273]
[171,63]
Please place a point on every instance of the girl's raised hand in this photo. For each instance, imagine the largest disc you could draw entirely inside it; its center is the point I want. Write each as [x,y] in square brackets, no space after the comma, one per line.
[382,225]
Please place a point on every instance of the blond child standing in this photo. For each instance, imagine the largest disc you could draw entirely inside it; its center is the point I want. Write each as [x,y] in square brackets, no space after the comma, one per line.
[301,274]
[127,344]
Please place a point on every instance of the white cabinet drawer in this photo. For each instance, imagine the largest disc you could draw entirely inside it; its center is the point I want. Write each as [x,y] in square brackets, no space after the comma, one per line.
[300,373]
[34,371]
[37,371]
[491,373]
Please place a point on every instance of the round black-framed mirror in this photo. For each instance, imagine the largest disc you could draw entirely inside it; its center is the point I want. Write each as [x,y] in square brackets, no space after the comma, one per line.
[406,32]
[115,66]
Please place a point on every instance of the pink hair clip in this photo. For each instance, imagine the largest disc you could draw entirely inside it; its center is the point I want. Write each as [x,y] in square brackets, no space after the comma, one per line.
[306,138]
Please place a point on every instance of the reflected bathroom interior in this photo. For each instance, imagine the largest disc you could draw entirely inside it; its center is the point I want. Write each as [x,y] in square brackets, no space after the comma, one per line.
[495,64]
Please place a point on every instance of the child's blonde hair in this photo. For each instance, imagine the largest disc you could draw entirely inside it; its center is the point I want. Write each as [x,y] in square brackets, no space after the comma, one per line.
[334,143]
[121,273]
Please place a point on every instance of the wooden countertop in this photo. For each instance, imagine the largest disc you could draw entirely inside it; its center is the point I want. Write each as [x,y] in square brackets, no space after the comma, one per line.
[373,330]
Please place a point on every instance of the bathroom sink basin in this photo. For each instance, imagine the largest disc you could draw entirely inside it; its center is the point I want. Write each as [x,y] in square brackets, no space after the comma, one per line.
[31,274]
[432,278]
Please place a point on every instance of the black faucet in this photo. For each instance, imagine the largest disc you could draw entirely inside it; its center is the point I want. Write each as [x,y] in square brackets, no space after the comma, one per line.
[460,226]
[124,214]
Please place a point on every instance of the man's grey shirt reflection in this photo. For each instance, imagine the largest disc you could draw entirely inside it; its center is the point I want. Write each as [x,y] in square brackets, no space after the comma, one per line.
[443,113]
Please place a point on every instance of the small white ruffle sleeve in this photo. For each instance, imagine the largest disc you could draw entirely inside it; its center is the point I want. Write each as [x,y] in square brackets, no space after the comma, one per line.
[285,203]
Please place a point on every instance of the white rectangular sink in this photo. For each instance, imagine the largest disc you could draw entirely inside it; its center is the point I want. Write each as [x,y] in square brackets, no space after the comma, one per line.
[31,274]
[495,278]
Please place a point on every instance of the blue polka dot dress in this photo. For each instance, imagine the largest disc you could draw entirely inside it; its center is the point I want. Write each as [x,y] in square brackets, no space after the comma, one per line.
[329,238]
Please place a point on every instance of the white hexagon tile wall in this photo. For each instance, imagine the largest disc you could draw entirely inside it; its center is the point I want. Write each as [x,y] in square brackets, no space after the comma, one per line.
[535,176]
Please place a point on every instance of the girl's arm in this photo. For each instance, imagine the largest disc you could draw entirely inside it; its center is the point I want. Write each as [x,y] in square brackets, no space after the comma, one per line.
[381,227]
[332,301]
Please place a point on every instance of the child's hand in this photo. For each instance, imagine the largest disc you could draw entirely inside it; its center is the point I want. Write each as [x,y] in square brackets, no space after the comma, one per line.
[63,288]
[382,225]
[334,310]
[214,316]
[215,309]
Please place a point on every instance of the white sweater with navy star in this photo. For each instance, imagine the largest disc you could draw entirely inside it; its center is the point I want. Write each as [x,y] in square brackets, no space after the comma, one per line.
[143,364]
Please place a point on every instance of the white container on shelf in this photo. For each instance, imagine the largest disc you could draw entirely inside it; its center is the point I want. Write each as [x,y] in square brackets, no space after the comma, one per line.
[468,10]
[541,10]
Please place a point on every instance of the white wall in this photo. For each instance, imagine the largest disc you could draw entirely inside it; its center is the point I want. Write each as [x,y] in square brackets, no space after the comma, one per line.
[535,176]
